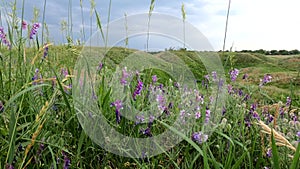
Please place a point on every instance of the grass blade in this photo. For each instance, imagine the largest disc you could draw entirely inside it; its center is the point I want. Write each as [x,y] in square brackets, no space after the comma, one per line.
[295,163]
[275,156]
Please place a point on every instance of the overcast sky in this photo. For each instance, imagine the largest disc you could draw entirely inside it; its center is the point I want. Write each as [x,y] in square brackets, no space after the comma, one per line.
[253,24]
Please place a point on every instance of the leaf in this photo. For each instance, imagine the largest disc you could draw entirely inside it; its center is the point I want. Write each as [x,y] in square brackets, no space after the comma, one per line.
[275,156]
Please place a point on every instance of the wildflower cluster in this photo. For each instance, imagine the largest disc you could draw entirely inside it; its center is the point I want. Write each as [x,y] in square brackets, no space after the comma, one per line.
[3,38]
[34,29]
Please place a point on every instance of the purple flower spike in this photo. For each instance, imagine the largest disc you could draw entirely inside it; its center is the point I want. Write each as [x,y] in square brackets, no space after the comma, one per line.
[288,101]
[100,66]
[3,38]
[124,77]
[199,137]
[214,75]
[154,78]
[46,48]
[147,132]
[34,29]
[9,166]
[233,74]
[119,106]
[256,116]
[24,25]
[267,79]
[245,76]
[138,89]
[269,153]
[298,134]
[207,115]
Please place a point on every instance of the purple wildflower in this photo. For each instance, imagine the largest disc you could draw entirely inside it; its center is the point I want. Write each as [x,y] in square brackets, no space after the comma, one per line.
[1,107]
[154,78]
[245,76]
[281,112]
[199,137]
[36,76]
[241,93]
[206,77]
[252,108]
[214,75]
[46,48]
[138,89]
[139,119]
[288,101]
[247,122]
[256,116]
[64,72]
[34,29]
[41,148]
[224,111]
[270,118]
[161,102]
[267,78]
[124,77]
[177,85]
[9,166]
[269,153]
[230,89]
[233,74]
[100,66]
[24,25]
[197,115]
[147,132]
[247,97]
[119,106]
[207,115]
[67,161]
[3,38]
[298,135]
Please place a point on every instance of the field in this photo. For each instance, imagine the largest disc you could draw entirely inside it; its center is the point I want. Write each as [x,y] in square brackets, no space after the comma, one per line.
[53,99]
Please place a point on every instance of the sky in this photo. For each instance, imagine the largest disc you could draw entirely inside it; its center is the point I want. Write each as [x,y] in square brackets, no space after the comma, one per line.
[253,24]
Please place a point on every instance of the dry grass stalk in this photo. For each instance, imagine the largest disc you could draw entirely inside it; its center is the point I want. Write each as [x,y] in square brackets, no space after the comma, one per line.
[280,140]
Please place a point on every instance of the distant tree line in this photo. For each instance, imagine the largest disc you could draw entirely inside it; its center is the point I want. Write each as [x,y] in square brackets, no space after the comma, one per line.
[272,52]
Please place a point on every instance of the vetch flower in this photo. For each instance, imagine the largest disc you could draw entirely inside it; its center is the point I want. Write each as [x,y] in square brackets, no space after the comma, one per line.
[197,115]
[67,161]
[24,25]
[269,153]
[288,101]
[214,75]
[207,115]
[3,38]
[267,79]
[100,66]
[199,137]
[36,76]
[161,102]
[124,77]
[46,48]
[138,89]
[245,76]
[9,166]
[154,78]
[64,72]
[256,116]
[230,89]
[147,132]
[34,29]
[119,106]
[233,74]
